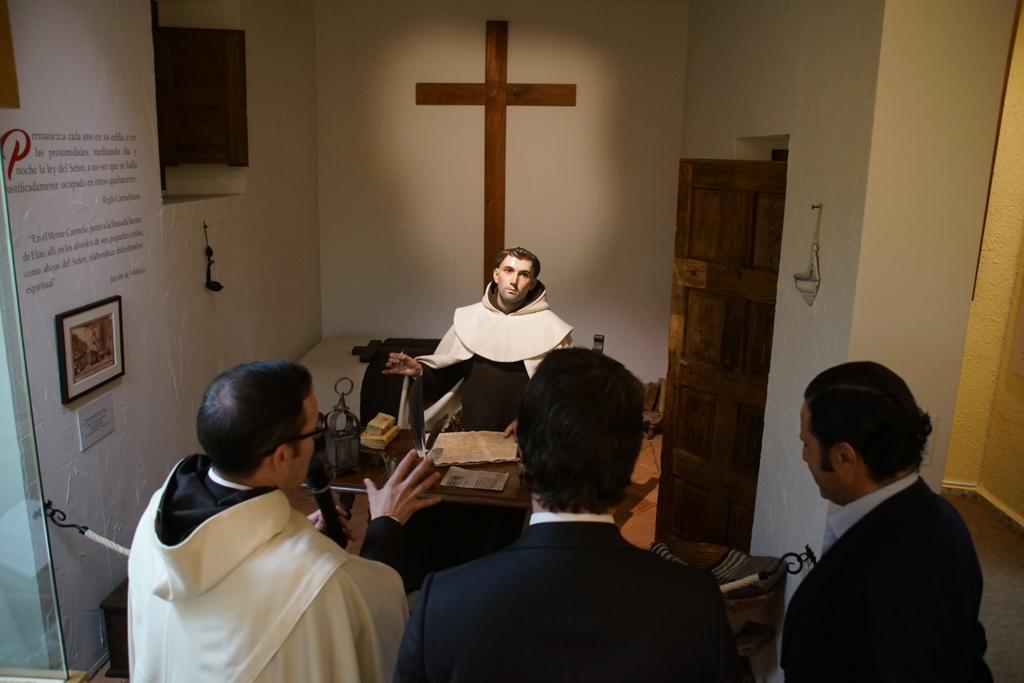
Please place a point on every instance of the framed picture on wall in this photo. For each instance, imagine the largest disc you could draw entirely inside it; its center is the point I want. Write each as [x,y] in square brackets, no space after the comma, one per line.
[90,347]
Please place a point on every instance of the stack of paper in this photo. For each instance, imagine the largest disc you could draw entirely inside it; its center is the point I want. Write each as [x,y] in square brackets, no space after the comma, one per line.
[463,448]
[459,477]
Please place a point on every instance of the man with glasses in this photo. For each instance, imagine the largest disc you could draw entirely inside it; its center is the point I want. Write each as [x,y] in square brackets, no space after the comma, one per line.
[228,582]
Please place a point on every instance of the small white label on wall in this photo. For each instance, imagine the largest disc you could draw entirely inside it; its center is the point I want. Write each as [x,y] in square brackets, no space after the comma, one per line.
[95,421]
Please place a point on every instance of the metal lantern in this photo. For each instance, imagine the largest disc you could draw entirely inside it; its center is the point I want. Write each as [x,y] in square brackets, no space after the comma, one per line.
[341,443]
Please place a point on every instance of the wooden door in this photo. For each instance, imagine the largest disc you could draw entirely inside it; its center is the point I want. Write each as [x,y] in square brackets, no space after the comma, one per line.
[728,235]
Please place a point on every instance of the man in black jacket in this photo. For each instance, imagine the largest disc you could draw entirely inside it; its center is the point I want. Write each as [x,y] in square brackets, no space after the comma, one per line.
[896,594]
[571,600]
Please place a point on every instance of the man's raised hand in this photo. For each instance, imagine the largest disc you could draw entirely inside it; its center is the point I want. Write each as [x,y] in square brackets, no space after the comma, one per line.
[403,494]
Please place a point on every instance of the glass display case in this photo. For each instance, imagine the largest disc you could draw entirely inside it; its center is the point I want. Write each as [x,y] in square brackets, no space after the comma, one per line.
[31,641]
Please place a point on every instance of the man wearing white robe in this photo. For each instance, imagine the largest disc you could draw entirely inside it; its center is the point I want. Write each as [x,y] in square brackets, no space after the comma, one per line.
[228,583]
[481,367]
[484,361]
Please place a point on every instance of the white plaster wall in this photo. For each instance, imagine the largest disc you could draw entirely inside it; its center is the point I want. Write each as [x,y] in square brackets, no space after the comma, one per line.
[591,188]
[281,225]
[90,64]
[76,73]
[941,72]
[807,71]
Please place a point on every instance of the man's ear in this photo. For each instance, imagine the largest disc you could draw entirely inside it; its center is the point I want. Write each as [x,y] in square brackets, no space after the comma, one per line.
[275,460]
[281,456]
[494,276]
[843,456]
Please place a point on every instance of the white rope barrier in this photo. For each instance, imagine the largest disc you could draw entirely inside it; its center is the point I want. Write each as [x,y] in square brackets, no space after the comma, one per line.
[58,518]
[106,542]
[740,583]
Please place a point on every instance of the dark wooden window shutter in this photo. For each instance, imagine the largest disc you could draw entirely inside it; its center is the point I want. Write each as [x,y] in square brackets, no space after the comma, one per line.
[200,96]
[8,74]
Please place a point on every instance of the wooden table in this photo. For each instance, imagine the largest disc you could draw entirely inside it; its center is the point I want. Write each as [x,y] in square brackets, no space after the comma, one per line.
[514,495]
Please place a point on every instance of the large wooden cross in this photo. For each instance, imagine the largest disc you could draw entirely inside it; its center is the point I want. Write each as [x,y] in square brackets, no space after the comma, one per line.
[495,94]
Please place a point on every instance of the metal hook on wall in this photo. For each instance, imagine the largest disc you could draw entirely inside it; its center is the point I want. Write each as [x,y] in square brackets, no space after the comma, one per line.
[795,562]
[807,283]
[211,284]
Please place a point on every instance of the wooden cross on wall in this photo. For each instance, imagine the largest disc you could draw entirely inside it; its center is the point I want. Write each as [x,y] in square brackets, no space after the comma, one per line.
[495,94]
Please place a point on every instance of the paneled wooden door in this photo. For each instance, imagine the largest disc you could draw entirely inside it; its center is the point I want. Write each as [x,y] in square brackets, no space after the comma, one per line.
[728,235]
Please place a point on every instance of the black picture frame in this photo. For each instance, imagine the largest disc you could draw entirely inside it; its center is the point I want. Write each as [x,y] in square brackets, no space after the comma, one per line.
[90,347]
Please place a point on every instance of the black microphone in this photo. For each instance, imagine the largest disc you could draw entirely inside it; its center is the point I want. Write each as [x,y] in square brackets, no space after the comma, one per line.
[319,485]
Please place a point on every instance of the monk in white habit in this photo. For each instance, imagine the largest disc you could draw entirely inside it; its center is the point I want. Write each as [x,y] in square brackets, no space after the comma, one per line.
[480,370]
[228,583]
[486,358]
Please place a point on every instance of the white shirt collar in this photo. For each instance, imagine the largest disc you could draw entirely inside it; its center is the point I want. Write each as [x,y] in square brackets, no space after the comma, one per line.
[546,517]
[842,520]
[218,479]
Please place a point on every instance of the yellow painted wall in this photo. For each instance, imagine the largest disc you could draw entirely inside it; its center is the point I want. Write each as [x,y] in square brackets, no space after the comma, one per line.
[1002,471]
[988,424]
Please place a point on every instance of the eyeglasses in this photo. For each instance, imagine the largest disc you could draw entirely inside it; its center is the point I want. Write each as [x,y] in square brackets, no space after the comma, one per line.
[321,429]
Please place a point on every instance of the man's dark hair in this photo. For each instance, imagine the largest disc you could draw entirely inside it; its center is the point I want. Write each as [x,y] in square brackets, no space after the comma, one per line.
[580,427]
[249,410]
[519,252]
[870,407]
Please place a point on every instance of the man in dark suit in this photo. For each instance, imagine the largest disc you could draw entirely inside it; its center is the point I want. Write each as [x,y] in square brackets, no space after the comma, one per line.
[571,600]
[896,594]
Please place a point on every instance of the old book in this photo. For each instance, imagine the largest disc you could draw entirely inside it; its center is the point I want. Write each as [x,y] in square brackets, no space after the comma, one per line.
[378,440]
[380,424]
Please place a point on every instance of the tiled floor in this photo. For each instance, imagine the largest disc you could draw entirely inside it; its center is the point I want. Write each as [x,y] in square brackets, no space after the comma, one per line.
[636,515]
[1001,553]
